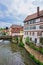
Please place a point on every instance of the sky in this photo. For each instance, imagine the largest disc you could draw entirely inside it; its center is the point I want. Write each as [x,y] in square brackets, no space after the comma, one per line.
[15,11]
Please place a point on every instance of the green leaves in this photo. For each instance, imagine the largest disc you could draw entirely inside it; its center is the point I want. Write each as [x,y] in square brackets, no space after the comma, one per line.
[21,44]
[27,40]
[35,60]
[41,40]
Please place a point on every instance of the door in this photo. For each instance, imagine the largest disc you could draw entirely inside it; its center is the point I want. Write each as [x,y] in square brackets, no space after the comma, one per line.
[35,40]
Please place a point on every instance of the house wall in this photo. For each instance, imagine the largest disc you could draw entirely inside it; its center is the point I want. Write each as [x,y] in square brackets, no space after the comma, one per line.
[15,30]
[28,28]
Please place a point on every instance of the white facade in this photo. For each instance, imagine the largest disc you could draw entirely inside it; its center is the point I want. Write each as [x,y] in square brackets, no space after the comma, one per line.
[34,30]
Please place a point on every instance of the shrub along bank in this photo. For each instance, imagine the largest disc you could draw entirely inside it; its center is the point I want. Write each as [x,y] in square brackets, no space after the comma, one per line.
[35,60]
[32,45]
[40,49]
[21,44]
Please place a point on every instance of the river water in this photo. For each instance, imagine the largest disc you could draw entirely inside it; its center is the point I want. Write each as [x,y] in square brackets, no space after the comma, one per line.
[11,54]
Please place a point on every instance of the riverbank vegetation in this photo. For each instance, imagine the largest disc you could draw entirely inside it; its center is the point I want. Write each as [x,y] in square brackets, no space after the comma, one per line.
[25,55]
[15,40]
[18,40]
[33,46]
[35,60]
[41,40]
[21,44]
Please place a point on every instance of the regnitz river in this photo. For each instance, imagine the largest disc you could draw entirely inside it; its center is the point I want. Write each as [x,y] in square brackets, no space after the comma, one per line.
[11,54]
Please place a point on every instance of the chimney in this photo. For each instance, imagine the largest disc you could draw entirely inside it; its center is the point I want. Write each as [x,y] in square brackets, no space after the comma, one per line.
[37,11]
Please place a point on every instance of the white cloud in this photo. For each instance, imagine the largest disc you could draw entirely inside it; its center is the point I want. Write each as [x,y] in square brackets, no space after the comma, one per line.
[5,24]
[38,3]
[21,7]
[1,14]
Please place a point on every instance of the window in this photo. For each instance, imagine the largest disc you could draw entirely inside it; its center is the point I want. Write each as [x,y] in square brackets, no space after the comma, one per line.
[28,22]
[25,22]
[41,26]
[32,27]
[26,28]
[34,21]
[38,20]
[39,33]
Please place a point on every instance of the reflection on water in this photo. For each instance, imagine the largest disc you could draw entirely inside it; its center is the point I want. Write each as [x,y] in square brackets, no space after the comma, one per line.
[11,54]
[4,42]
[1,40]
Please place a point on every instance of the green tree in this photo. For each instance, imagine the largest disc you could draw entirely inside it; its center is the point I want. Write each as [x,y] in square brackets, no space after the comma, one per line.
[4,33]
[27,40]
[6,28]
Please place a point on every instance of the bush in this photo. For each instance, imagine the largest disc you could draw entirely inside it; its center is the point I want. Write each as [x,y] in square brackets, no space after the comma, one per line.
[21,44]
[4,33]
[41,50]
[35,60]
[21,39]
[16,38]
[41,40]
[27,40]
[31,44]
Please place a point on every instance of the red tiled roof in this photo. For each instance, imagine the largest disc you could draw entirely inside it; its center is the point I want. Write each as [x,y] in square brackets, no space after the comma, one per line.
[16,28]
[33,16]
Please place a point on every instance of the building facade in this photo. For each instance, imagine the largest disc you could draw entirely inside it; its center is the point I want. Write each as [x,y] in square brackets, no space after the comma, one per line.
[33,26]
[16,30]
